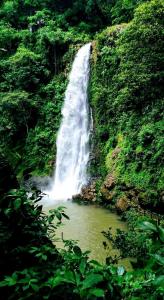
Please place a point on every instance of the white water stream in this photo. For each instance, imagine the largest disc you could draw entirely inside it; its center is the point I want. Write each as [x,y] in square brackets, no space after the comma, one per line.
[73,136]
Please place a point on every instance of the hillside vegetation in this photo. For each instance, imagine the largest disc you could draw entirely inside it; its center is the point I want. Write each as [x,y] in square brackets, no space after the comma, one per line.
[126,94]
[38,40]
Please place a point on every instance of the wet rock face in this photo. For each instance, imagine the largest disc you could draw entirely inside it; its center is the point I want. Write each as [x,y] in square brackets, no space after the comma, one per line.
[120,196]
[127,197]
[107,188]
[88,193]
[106,194]
[109,182]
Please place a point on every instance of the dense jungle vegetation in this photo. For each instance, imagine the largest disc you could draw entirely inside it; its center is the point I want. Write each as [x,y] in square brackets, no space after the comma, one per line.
[38,41]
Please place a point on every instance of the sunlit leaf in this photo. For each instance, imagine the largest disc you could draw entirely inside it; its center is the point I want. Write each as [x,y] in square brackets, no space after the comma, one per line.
[92,280]
[147,226]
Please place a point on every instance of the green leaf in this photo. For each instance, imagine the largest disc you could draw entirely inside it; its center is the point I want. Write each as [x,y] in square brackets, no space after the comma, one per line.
[97,292]
[35,287]
[65,277]
[161,233]
[39,208]
[159,281]
[65,216]
[95,262]
[44,257]
[58,215]
[78,278]
[147,226]
[10,281]
[25,287]
[159,259]
[69,277]
[46,297]
[56,281]
[77,250]
[3,283]
[82,266]
[17,203]
[92,280]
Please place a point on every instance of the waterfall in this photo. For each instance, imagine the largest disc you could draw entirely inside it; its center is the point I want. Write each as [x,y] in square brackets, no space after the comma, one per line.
[73,136]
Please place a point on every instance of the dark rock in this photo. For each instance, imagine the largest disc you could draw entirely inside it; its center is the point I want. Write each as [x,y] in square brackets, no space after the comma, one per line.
[88,193]
[107,188]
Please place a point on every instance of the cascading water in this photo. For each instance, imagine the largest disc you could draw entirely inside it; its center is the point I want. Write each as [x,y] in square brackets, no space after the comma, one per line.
[73,136]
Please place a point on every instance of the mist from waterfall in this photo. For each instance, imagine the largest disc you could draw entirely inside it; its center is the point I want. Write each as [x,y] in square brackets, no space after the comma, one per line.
[73,136]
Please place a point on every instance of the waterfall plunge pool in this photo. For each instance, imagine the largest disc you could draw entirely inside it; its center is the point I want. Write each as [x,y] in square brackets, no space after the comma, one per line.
[85,226]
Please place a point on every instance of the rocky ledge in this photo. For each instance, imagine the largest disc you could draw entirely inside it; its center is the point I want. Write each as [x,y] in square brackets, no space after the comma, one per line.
[88,193]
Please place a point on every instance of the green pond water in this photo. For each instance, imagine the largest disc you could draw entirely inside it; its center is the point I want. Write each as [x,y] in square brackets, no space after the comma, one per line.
[85,226]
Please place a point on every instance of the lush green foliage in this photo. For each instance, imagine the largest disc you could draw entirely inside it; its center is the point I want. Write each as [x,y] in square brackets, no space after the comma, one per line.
[127,93]
[86,15]
[34,75]
[31,266]
[37,42]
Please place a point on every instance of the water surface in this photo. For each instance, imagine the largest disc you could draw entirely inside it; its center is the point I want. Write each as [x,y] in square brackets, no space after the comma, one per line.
[86,224]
